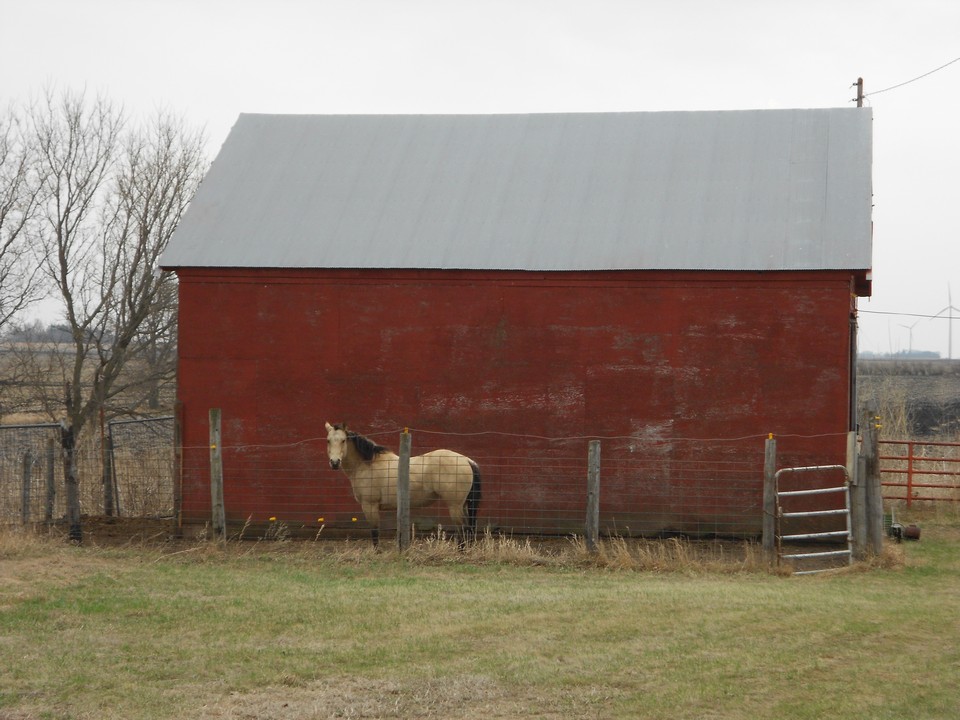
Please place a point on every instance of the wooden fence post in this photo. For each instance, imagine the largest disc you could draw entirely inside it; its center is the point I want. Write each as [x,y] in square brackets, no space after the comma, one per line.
[216,477]
[858,515]
[593,496]
[403,492]
[769,541]
[178,469]
[873,498]
[25,489]
[51,481]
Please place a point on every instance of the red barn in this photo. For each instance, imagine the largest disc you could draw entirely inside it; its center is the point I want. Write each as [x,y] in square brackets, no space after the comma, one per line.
[681,282]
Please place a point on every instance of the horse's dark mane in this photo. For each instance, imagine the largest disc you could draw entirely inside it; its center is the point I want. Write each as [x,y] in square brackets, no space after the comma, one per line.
[367,448]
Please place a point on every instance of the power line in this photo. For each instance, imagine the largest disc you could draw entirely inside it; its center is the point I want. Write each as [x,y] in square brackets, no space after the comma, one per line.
[905,314]
[919,77]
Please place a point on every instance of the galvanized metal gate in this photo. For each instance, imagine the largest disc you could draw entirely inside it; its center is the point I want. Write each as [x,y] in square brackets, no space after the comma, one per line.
[843,513]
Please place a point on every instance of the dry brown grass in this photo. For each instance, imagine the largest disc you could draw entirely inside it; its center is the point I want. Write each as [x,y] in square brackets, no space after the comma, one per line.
[463,697]
[673,555]
[677,554]
[682,555]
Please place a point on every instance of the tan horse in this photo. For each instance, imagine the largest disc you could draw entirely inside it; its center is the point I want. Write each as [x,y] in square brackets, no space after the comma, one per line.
[438,475]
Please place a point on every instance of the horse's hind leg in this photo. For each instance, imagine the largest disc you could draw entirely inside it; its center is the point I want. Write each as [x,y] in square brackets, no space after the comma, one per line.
[472,502]
[456,508]
[372,513]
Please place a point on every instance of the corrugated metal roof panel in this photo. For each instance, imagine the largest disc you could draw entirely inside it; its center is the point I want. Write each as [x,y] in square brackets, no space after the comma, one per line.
[740,190]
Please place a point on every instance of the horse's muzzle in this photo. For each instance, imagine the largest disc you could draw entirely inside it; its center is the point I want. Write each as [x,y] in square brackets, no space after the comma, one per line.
[335,464]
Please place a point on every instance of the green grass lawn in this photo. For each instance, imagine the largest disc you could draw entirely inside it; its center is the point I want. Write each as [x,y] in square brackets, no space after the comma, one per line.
[316,630]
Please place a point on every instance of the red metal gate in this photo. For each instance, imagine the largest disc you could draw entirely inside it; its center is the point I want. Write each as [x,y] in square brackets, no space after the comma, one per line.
[919,470]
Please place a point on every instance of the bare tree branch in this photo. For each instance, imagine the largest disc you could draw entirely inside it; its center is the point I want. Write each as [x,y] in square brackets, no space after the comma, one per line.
[161,169]
[19,285]
[75,144]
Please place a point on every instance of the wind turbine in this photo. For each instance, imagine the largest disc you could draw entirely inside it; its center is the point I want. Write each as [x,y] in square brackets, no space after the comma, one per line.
[949,309]
[910,330]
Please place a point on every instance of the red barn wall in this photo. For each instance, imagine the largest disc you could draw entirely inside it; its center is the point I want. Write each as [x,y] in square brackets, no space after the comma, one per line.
[656,355]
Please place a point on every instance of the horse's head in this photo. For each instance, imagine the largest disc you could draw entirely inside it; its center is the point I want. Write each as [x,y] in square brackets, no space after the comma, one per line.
[336,444]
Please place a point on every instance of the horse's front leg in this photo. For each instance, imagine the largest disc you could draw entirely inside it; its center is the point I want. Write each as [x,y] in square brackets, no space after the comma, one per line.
[372,512]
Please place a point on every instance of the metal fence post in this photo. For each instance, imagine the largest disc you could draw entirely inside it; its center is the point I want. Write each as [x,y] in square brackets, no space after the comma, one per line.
[403,492]
[107,450]
[910,451]
[593,496]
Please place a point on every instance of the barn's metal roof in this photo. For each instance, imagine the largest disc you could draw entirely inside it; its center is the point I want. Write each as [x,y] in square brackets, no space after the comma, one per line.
[734,190]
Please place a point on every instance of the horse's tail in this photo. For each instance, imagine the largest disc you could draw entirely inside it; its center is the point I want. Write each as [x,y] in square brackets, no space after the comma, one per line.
[473,498]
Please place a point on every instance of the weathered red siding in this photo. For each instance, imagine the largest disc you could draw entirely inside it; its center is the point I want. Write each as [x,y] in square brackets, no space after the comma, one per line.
[651,354]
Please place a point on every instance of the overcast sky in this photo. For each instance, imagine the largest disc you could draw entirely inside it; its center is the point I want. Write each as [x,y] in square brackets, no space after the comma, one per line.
[209,60]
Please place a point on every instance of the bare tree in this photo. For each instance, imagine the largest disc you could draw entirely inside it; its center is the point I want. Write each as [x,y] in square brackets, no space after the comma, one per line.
[112,199]
[74,146]
[109,202]
[18,196]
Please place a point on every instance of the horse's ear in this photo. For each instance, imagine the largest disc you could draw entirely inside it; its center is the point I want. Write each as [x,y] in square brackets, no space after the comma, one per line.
[329,427]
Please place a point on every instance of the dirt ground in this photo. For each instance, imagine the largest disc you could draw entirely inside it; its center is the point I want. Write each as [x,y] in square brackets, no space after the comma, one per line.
[113,531]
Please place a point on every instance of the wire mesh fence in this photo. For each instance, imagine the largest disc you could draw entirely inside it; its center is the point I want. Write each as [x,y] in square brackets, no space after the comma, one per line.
[142,466]
[31,471]
[528,486]
[125,468]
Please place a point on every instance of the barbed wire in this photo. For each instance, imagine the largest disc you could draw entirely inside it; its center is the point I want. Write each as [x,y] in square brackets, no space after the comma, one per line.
[640,440]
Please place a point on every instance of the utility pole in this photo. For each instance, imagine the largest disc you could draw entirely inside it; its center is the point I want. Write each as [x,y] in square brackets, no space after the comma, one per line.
[859,92]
